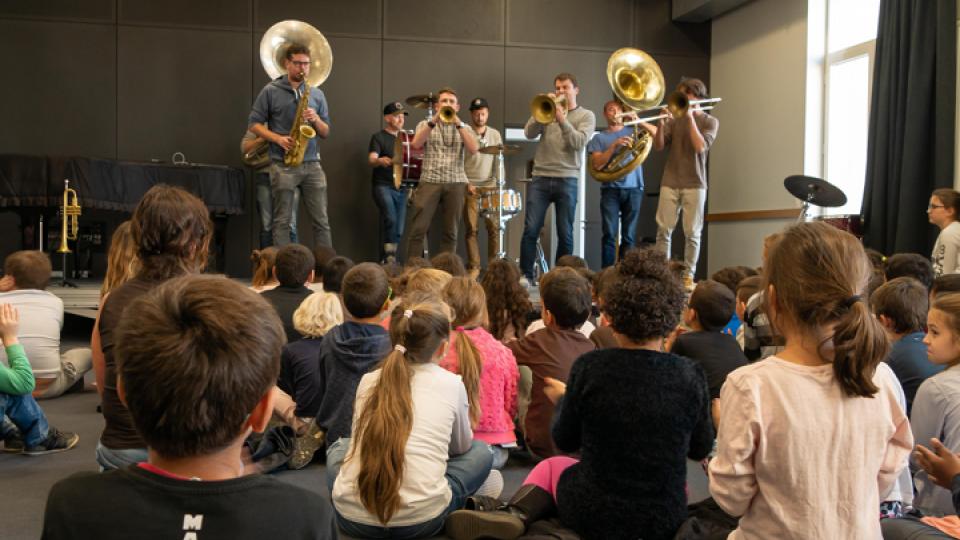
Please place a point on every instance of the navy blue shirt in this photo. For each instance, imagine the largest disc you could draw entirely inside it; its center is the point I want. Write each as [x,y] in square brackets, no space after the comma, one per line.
[276,106]
[908,360]
[600,142]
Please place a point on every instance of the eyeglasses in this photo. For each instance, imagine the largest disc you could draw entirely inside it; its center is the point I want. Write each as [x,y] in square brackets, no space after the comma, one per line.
[930,207]
[300,64]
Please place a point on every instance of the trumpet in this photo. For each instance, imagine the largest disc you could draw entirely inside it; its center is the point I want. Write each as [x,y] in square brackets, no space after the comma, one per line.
[71,220]
[543,108]
[447,115]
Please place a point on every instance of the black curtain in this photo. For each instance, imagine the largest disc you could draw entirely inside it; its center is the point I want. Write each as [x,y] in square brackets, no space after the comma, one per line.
[910,148]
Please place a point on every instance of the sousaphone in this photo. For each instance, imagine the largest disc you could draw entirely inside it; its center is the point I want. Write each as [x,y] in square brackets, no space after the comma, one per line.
[637,82]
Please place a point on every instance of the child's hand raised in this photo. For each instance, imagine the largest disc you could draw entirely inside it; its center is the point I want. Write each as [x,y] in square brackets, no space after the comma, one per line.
[9,324]
[941,466]
[553,389]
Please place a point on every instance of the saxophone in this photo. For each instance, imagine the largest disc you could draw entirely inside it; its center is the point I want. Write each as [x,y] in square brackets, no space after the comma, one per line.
[301,132]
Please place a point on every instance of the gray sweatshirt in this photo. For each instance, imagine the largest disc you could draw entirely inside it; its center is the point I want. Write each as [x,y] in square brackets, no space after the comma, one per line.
[558,153]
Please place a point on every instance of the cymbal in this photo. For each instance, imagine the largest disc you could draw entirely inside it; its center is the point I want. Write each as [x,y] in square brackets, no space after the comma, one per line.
[816,191]
[421,101]
[507,149]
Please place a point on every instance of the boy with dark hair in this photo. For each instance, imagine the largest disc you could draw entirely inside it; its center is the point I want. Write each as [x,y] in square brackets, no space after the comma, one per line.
[215,345]
[41,321]
[748,287]
[348,351]
[321,256]
[294,269]
[551,351]
[710,308]
[901,307]
[33,436]
[910,265]
[333,273]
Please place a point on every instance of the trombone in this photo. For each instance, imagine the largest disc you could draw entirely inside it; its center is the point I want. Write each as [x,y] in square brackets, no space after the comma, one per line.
[677,104]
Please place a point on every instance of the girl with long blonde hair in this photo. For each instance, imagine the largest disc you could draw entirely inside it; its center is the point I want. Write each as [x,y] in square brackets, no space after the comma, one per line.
[395,477]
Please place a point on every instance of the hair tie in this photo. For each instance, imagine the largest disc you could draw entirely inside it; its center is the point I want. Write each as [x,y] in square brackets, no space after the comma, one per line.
[849,302]
[407,313]
[400,348]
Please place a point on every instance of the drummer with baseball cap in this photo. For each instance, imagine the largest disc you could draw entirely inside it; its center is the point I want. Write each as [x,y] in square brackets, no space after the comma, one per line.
[480,169]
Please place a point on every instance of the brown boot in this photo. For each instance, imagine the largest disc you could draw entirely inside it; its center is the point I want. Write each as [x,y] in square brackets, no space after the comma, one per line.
[500,522]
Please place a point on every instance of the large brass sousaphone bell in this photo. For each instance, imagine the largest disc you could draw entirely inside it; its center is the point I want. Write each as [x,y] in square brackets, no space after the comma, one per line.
[636,80]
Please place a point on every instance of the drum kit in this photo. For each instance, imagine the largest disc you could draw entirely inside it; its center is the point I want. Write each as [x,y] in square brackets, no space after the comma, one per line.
[819,192]
[498,203]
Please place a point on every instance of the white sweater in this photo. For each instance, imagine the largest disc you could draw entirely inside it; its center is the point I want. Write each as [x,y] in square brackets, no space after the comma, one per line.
[946,251]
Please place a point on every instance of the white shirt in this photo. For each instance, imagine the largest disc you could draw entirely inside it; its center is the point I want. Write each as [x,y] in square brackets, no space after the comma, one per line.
[797,459]
[41,318]
[946,251]
[441,428]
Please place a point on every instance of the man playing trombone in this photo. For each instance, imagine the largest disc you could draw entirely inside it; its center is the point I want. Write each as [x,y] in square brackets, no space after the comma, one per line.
[556,169]
[443,181]
[688,135]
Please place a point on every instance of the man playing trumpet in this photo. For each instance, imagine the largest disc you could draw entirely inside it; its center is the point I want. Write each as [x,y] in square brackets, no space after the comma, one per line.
[443,182]
[620,200]
[556,170]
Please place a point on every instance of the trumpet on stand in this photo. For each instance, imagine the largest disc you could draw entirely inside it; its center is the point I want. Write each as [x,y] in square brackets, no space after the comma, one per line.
[70,214]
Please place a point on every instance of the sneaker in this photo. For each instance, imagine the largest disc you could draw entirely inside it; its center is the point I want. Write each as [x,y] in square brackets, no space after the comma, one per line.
[56,441]
[474,525]
[304,446]
[13,443]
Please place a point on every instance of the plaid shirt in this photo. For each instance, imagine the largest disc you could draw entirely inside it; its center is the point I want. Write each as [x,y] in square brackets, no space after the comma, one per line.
[443,155]
[759,337]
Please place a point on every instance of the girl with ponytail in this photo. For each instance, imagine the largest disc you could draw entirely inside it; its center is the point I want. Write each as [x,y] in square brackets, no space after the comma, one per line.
[411,459]
[489,372]
[810,438]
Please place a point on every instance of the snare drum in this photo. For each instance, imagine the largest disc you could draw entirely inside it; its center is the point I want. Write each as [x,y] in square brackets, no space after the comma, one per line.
[407,161]
[850,223]
[508,201]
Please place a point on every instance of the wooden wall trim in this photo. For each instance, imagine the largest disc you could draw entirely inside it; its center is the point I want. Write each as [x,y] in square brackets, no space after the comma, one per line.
[753,215]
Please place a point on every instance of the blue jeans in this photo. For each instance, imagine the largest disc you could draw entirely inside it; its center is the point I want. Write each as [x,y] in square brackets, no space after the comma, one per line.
[621,205]
[393,211]
[110,458]
[465,474]
[27,415]
[265,209]
[312,181]
[542,191]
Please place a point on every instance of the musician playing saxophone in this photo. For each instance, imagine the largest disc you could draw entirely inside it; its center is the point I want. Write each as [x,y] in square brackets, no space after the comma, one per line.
[277,106]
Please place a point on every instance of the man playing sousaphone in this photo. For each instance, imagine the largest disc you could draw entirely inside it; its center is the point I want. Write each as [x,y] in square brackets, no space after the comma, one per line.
[277,106]
[389,198]
[443,182]
[620,200]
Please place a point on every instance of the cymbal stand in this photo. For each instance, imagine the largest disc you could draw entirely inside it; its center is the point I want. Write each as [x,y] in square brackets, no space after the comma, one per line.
[805,207]
[501,222]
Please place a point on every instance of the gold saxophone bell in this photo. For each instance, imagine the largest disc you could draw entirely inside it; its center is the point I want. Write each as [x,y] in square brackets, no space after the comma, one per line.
[447,115]
[71,221]
[543,108]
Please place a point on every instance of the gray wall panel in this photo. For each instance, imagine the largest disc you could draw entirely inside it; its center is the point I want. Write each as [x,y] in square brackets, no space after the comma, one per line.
[357,17]
[88,10]
[467,22]
[173,99]
[603,24]
[658,34]
[531,71]
[62,96]
[210,13]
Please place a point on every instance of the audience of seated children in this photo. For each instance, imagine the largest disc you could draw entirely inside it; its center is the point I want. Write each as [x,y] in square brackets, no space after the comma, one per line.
[937,399]
[488,369]
[508,304]
[264,278]
[321,256]
[350,350]
[708,311]
[412,458]
[760,338]
[293,270]
[901,307]
[122,261]
[450,263]
[198,360]
[910,265]
[27,430]
[634,413]
[551,351]
[748,287]
[41,320]
[811,438]
[333,273]
[172,230]
[299,382]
